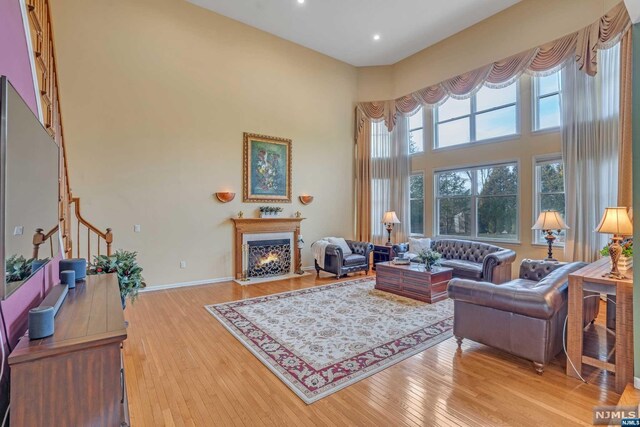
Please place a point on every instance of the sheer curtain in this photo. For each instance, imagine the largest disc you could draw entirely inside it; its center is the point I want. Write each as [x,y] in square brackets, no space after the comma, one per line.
[389,170]
[590,144]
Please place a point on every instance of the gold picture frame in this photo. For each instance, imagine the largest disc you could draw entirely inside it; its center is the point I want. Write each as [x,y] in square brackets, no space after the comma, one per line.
[266,169]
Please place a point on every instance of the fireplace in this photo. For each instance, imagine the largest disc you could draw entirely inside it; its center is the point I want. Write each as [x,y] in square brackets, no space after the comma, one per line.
[263,230]
[268,258]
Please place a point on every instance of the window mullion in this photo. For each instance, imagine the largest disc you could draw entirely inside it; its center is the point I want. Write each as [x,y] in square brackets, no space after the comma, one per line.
[472,120]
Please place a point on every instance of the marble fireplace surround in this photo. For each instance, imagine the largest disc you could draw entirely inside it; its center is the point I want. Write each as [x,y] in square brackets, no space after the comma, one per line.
[247,229]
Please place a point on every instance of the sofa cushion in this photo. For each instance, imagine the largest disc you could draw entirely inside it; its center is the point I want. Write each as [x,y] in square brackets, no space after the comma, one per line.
[537,269]
[351,260]
[526,297]
[465,250]
[463,268]
[418,245]
[346,250]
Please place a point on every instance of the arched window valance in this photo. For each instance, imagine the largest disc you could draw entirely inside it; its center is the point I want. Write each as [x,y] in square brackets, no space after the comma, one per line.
[581,45]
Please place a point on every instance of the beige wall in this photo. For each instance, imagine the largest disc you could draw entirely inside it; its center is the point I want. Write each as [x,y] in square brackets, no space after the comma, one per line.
[156,95]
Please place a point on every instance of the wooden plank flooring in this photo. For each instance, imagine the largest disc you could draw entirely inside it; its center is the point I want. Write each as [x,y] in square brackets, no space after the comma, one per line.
[184,369]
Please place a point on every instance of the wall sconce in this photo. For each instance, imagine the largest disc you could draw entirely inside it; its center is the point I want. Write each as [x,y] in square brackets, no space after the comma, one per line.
[225,196]
[305,199]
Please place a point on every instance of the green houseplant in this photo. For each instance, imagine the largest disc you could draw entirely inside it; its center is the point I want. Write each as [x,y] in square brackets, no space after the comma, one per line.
[429,258]
[269,211]
[125,265]
[17,268]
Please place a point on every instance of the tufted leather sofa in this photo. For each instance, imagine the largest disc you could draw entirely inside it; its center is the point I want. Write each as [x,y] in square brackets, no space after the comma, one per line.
[470,259]
[337,263]
[524,317]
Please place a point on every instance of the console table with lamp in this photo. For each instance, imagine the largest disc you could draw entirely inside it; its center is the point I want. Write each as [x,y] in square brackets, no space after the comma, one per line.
[604,277]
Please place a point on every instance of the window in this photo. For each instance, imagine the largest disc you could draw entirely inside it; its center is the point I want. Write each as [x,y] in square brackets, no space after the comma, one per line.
[416,203]
[489,114]
[479,202]
[546,96]
[549,193]
[416,132]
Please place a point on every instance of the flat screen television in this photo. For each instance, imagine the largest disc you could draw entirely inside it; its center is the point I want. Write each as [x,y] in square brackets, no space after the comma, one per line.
[29,173]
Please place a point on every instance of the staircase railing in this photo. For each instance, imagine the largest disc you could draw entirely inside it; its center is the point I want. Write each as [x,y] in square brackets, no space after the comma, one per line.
[86,233]
[39,238]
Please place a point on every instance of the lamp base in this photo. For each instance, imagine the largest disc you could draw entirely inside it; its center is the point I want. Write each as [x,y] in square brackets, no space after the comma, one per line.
[615,250]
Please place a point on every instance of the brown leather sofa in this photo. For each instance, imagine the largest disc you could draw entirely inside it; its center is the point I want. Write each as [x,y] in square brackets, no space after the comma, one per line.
[470,259]
[524,317]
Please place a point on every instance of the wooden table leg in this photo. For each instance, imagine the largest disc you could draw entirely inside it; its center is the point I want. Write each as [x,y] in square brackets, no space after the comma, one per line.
[574,325]
[624,336]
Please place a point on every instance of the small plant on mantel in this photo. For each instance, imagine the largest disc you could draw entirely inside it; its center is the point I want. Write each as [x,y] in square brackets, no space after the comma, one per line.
[269,211]
[125,265]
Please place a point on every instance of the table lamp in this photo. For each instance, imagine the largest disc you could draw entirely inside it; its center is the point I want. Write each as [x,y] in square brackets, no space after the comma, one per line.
[547,222]
[615,221]
[388,220]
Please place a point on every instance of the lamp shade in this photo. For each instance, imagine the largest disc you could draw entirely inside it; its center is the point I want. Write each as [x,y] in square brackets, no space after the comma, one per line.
[550,220]
[615,221]
[390,218]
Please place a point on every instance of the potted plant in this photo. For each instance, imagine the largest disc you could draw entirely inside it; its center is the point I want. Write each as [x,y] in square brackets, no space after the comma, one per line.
[269,211]
[429,258]
[17,268]
[125,265]
[625,262]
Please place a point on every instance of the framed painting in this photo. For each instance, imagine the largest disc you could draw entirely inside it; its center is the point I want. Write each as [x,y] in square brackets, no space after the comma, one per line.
[267,169]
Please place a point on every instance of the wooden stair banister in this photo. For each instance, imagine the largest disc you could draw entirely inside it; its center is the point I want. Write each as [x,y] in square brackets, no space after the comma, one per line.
[100,235]
[39,238]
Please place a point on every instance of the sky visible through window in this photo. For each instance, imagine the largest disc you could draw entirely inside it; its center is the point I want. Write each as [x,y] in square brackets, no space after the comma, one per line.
[490,113]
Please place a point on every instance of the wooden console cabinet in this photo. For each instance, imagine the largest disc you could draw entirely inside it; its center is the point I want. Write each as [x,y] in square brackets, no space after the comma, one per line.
[76,376]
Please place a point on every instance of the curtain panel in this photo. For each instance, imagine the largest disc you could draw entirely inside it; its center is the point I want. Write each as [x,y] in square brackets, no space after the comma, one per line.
[383,166]
[582,45]
[590,150]
[625,172]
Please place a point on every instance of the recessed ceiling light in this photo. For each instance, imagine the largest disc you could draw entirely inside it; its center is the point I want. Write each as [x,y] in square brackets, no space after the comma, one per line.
[376,37]
[300,1]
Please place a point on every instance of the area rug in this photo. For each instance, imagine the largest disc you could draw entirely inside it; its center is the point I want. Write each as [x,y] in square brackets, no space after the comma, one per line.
[320,340]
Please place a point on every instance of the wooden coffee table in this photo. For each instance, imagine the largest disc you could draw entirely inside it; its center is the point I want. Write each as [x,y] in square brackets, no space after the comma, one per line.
[413,281]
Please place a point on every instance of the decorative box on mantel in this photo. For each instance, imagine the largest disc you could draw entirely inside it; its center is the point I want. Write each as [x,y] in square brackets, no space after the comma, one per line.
[265,226]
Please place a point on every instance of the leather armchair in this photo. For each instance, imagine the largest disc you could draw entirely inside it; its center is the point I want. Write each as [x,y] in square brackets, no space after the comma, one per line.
[337,263]
[470,259]
[524,317]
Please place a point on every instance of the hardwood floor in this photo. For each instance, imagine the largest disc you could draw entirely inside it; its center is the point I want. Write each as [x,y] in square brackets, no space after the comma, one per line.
[184,369]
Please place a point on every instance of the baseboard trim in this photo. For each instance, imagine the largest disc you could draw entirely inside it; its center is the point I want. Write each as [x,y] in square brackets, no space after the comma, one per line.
[636,382]
[185,284]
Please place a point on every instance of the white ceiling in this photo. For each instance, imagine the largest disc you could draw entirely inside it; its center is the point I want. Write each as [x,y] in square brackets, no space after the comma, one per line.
[344,29]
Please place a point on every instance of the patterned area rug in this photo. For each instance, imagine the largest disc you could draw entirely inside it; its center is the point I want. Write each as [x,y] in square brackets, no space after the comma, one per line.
[322,339]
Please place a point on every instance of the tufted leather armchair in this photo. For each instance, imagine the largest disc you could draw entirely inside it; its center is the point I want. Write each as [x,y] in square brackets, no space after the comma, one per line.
[470,259]
[524,317]
[337,263]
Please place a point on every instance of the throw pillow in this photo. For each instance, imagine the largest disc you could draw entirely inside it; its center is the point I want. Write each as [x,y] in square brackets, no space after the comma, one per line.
[346,250]
[418,245]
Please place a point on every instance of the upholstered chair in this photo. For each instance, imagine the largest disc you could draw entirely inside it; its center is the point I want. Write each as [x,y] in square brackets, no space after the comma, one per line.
[337,263]
[524,317]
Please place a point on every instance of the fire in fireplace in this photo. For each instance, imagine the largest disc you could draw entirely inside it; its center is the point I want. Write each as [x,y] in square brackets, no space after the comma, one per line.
[269,258]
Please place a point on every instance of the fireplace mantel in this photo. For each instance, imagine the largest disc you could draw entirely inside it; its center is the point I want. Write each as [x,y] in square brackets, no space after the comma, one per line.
[265,225]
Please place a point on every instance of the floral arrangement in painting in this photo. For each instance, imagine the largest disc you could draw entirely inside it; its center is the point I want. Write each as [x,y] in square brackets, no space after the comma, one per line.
[267,166]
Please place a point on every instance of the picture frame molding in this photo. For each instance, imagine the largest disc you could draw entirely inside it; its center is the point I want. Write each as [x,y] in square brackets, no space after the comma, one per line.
[246,191]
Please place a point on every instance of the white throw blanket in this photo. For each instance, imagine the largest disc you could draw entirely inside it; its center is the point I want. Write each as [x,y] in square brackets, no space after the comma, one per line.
[319,249]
